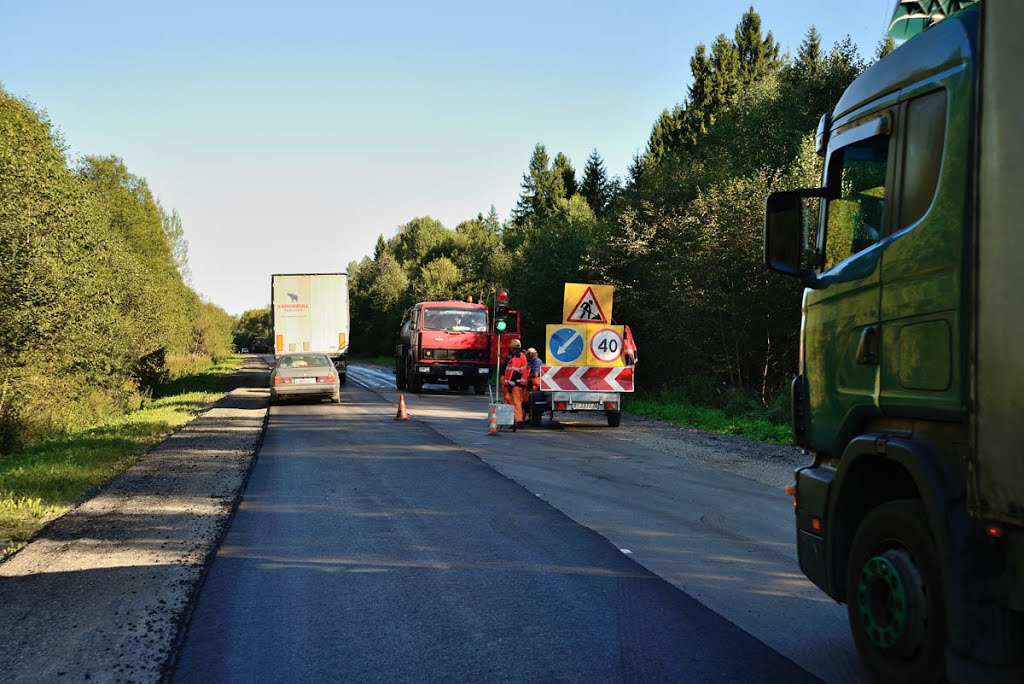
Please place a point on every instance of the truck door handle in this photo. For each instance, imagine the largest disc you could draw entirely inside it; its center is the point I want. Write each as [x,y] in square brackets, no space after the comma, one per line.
[867,350]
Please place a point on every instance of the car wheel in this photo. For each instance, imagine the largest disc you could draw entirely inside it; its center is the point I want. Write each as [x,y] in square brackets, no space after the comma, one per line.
[894,595]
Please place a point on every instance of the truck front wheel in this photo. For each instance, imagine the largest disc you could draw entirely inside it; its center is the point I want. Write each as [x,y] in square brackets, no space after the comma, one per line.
[415,382]
[894,595]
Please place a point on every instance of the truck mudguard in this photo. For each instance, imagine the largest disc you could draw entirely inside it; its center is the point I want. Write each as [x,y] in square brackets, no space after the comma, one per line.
[944,503]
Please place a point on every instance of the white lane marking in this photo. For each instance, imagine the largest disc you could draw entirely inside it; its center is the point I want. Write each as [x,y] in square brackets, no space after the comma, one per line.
[626,551]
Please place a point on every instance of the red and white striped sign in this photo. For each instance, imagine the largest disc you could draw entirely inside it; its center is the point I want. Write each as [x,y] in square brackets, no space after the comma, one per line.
[586,379]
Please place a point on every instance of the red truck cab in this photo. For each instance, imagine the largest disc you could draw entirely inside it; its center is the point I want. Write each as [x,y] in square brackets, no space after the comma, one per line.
[445,342]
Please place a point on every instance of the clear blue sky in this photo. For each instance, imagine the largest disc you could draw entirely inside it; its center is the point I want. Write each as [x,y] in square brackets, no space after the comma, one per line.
[325,124]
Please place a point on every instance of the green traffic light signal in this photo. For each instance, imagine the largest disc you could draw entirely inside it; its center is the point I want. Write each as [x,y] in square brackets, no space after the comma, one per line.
[501,325]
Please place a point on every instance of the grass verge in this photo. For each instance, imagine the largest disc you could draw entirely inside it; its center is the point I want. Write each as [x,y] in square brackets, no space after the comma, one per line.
[44,481]
[742,418]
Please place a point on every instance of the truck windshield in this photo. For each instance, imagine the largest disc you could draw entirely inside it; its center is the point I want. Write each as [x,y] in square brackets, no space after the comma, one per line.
[456,320]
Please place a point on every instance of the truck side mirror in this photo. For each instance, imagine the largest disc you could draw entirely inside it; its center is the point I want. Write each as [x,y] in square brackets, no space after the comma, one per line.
[784,233]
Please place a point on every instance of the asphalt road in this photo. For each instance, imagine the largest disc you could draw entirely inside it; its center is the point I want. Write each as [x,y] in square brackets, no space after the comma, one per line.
[724,537]
[366,549]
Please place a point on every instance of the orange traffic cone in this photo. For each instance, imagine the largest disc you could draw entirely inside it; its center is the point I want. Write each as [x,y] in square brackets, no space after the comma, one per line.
[402,413]
[493,427]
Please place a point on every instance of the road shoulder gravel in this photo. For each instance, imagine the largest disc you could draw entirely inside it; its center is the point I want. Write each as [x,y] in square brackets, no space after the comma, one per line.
[100,594]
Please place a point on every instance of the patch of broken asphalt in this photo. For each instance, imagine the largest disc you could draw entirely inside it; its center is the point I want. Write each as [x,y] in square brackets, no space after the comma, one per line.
[101,593]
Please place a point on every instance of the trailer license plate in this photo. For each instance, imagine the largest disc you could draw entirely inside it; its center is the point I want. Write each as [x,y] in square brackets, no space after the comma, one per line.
[304,381]
[453,372]
[585,405]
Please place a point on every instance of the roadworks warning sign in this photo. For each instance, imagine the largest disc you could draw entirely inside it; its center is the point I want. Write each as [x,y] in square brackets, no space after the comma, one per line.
[582,303]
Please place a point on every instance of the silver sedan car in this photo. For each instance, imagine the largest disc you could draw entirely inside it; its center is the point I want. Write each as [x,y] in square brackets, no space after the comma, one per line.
[304,376]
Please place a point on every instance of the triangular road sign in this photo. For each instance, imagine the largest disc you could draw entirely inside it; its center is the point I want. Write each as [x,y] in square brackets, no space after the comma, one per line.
[587,310]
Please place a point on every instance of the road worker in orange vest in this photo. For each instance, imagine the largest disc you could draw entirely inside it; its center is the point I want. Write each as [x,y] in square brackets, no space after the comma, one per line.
[515,378]
[629,347]
[536,364]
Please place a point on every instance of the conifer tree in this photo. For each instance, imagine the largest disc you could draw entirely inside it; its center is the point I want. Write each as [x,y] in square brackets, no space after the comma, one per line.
[542,186]
[635,171]
[809,60]
[666,135]
[723,78]
[562,168]
[757,55]
[492,222]
[596,188]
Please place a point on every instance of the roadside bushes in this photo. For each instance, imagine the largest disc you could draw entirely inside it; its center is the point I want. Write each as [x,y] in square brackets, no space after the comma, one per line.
[716,407]
[92,301]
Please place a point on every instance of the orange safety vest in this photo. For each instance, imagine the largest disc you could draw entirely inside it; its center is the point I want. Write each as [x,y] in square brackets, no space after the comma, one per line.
[516,364]
[629,347]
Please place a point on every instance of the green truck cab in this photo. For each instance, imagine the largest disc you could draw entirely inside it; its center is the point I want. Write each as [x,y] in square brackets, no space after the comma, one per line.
[910,392]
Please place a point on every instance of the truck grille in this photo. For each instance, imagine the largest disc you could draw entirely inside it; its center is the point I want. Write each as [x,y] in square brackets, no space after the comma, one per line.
[455,354]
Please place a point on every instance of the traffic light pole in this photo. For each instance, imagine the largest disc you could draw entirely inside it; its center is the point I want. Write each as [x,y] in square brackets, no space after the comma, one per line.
[497,372]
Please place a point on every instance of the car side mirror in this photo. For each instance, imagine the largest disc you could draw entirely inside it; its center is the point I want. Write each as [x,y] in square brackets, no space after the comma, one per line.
[784,234]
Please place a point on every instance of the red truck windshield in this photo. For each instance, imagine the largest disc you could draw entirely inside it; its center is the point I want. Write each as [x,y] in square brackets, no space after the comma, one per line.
[455,320]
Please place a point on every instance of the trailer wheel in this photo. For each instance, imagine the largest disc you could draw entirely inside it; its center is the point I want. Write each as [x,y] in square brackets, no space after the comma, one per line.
[614,418]
[536,414]
[894,595]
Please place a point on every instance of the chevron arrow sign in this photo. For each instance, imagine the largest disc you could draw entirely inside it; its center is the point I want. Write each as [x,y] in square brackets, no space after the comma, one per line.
[586,379]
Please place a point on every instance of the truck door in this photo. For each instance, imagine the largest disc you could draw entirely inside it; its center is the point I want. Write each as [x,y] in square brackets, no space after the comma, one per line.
[842,336]
[923,271]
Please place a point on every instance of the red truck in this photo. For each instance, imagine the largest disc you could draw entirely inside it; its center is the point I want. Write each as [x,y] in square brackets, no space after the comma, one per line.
[444,342]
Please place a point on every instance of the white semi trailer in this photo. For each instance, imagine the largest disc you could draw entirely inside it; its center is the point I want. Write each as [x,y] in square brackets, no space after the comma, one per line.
[311,314]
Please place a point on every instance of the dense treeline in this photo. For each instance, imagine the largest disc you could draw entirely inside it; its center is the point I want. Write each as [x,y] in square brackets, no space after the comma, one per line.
[252,325]
[95,310]
[680,237]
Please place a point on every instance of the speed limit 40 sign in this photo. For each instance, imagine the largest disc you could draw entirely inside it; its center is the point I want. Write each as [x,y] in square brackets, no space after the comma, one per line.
[605,346]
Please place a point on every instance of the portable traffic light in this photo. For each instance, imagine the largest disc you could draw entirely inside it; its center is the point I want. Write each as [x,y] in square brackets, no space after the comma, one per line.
[501,310]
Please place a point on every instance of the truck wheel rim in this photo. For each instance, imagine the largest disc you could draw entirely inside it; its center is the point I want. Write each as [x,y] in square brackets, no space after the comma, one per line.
[882,601]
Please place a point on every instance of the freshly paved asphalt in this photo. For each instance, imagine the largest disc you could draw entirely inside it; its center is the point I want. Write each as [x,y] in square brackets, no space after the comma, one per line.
[366,549]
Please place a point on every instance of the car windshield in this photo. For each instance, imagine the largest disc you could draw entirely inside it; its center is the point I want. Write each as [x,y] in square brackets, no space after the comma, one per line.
[303,361]
[456,320]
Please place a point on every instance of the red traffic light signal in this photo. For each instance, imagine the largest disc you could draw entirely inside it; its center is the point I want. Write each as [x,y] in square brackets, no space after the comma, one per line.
[501,295]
